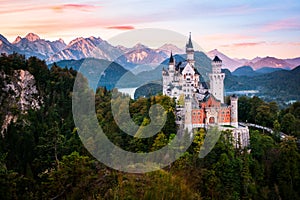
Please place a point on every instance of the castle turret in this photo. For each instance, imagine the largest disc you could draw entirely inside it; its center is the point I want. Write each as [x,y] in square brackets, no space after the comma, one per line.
[171,63]
[190,51]
[188,114]
[234,111]
[217,79]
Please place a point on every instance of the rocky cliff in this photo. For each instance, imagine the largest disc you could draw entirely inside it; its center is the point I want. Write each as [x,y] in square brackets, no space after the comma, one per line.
[18,95]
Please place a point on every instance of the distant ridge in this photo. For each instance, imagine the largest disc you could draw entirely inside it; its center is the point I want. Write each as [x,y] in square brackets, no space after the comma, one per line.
[256,63]
[249,71]
[130,58]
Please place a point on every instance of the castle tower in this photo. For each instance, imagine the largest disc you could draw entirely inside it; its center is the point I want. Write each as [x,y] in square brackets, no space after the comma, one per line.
[234,111]
[171,64]
[190,51]
[217,79]
[166,80]
[188,114]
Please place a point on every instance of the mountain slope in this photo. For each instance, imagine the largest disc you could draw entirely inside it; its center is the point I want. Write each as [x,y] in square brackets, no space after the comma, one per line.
[101,72]
[266,70]
[141,55]
[87,47]
[294,61]
[271,62]
[279,85]
[32,45]
[6,46]
[244,71]
[168,48]
[228,63]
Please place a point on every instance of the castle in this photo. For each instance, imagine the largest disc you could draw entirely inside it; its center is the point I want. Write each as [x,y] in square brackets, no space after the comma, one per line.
[200,106]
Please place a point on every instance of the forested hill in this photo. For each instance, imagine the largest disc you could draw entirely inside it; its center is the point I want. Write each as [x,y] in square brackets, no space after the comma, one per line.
[109,72]
[280,86]
[282,83]
[42,157]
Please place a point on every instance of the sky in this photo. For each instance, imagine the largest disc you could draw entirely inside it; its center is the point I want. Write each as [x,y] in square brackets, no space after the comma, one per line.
[240,29]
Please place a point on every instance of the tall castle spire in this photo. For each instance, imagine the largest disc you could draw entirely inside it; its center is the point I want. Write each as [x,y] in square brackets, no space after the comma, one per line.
[190,50]
[189,44]
[171,58]
[171,64]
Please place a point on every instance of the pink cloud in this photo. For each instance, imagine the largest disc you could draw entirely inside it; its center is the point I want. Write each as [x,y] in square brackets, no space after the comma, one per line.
[51,26]
[285,24]
[244,44]
[121,27]
[295,43]
[57,8]
[229,37]
[82,7]
[248,44]
[23,9]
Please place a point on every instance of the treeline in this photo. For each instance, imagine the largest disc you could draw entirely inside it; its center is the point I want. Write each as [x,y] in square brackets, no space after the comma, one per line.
[42,157]
[255,110]
[278,85]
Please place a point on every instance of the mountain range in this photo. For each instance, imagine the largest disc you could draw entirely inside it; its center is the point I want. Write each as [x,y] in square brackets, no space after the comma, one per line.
[91,47]
[32,45]
[138,58]
[255,63]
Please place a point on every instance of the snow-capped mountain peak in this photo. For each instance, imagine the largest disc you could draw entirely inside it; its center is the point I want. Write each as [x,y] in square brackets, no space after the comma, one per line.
[32,37]
[139,54]
[61,40]
[139,46]
[72,42]
[168,48]
[95,38]
[17,40]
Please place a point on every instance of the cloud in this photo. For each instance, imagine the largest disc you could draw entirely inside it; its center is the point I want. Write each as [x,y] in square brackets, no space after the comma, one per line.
[284,24]
[121,27]
[244,44]
[294,43]
[56,8]
[229,37]
[10,10]
[82,7]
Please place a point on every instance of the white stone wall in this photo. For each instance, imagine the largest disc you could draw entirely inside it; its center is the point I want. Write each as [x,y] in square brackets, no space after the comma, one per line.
[241,137]
[217,81]
[234,111]
[188,115]
[217,86]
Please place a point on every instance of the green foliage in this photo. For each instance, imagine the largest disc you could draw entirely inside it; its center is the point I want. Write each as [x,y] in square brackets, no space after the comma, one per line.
[279,85]
[73,179]
[148,90]
[154,185]
[255,110]
[42,157]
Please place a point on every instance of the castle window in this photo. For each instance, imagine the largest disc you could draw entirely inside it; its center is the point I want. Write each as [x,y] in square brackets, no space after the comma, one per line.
[211,120]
